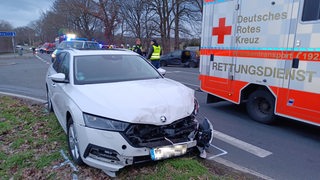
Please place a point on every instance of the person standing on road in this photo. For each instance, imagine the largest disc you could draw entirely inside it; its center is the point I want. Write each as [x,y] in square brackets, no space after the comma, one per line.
[137,48]
[33,50]
[154,53]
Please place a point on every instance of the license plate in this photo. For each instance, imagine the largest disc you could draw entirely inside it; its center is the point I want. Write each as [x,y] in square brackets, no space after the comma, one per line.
[168,151]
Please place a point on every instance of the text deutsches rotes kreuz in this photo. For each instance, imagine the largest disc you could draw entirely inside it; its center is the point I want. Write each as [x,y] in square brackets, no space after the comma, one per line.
[243,29]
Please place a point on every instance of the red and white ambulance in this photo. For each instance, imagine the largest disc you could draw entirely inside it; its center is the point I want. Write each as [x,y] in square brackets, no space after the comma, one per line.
[265,53]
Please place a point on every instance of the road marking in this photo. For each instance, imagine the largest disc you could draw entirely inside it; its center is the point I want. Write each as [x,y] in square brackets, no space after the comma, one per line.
[241,144]
[223,152]
[241,168]
[41,59]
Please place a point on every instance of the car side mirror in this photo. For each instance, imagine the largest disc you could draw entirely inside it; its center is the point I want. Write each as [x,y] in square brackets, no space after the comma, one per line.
[162,71]
[59,78]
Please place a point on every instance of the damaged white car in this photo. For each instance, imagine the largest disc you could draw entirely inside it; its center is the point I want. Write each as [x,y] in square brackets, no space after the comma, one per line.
[118,110]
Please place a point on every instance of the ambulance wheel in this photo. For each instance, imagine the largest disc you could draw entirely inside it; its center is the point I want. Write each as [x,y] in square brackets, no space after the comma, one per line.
[260,106]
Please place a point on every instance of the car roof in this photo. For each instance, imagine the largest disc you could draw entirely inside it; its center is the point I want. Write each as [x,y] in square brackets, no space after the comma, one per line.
[77,52]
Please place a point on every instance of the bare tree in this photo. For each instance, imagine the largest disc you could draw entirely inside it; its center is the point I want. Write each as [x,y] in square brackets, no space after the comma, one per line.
[108,12]
[163,9]
[187,19]
[76,16]
[133,13]
[25,35]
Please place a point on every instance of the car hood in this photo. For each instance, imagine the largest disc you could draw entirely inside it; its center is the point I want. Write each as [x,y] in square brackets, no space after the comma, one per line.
[143,101]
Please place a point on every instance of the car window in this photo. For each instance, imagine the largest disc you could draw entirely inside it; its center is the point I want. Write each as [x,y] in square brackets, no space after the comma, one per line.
[92,69]
[65,65]
[62,45]
[176,53]
[91,45]
[57,63]
[311,10]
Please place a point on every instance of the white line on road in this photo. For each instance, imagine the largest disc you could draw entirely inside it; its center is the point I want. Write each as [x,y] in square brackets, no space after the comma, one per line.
[241,168]
[241,144]
[223,152]
[41,59]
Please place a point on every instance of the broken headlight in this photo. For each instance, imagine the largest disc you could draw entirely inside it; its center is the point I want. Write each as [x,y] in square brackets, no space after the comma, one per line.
[104,123]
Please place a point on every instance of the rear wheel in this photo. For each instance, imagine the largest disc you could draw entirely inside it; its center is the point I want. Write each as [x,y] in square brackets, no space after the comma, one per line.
[260,106]
[73,144]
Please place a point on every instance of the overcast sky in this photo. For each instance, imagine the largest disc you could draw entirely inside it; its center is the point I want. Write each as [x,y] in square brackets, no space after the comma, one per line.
[21,12]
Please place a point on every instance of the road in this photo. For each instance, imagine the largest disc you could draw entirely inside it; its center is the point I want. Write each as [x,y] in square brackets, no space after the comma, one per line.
[286,150]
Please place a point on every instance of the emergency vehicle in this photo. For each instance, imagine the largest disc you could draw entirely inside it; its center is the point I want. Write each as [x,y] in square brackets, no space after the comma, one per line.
[265,53]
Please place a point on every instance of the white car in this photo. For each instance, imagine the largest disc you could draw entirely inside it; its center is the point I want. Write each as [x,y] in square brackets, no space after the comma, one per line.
[118,110]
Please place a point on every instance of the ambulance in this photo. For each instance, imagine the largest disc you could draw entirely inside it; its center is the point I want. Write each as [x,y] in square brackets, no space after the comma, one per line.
[264,53]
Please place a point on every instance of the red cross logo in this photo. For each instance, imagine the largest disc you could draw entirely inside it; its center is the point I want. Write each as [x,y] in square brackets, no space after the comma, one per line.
[222,30]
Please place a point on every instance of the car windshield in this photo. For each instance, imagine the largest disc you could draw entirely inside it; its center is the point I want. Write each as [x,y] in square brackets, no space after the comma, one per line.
[71,44]
[91,45]
[79,45]
[93,69]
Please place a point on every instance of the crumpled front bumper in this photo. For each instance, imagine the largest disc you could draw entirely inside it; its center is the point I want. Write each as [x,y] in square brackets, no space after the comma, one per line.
[111,151]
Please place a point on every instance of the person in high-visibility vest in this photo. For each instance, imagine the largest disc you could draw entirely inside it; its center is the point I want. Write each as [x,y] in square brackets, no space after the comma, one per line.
[154,53]
[138,47]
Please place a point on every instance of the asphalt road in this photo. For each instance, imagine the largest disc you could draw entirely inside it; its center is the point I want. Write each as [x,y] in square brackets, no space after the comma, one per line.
[287,150]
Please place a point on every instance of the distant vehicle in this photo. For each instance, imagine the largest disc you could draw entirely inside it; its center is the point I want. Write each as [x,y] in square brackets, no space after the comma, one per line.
[118,110]
[75,44]
[180,57]
[47,48]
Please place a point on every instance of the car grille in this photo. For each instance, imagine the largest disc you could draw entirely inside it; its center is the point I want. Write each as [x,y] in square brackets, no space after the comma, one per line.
[144,135]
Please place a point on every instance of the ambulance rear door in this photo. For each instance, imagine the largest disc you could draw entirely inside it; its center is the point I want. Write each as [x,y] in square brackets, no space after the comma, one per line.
[303,98]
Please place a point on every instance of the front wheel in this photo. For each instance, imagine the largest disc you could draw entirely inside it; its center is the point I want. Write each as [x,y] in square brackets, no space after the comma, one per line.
[73,144]
[260,106]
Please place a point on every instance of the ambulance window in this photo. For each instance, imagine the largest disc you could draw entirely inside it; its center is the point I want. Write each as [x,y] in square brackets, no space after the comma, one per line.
[311,10]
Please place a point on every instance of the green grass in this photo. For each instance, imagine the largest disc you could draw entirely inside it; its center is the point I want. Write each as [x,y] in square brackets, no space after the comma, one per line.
[26,133]
[180,169]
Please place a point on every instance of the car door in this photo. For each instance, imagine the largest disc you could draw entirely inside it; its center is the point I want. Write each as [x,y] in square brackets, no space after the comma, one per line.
[175,57]
[58,97]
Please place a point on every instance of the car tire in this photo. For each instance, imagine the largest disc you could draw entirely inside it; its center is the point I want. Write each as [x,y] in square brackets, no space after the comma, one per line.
[73,146]
[49,103]
[260,106]
[163,63]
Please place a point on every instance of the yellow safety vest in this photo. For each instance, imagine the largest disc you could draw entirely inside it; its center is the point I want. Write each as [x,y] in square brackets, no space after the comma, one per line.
[156,53]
